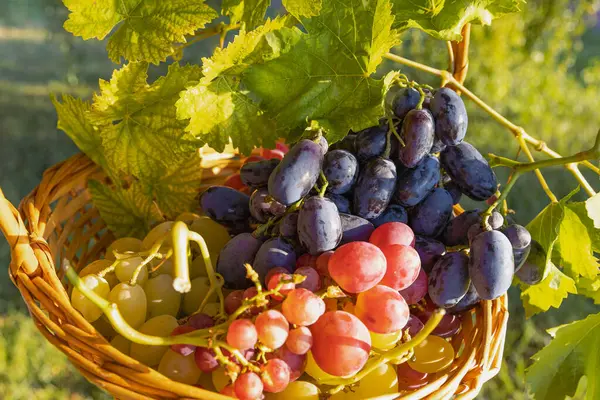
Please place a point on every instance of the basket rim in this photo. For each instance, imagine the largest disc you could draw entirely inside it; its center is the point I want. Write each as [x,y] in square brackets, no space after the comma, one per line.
[30,232]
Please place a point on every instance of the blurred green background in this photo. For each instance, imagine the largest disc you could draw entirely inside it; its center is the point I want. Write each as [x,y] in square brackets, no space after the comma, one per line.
[540,68]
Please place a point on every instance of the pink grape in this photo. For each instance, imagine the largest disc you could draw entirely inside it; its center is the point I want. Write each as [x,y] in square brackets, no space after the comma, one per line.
[275,375]
[306,260]
[392,233]
[322,264]
[205,360]
[414,325]
[341,343]
[235,182]
[233,301]
[357,266]
[312,281]
[248,386]
[201,321]
[248,294]
[403,266]
[272,328]
[409,379]
[299,340]
[417,290]
[253,158]
[183,349]
[274,278]
[242,334]
[295,362]
[382,309]
[302,307]
[282,147]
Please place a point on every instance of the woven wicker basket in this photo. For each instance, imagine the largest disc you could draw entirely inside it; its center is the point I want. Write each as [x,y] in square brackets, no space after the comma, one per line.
[57,220]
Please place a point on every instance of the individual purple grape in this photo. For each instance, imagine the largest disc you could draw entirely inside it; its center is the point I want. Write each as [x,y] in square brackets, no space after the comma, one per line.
[374,189]
[201,321]
[451,119]
[355,228]
[341,170]
[341,202]
[323,144]
[455,233]
[417,290]
[469,171]
[288,226]
[454,191]
[430,250]
[240,250]
[256,174]
[449,279]
[431,216]
[414,325]
[491,265]
[348,143]
[275,252]
[416,183]
[469,300]
[263,207]
[371,143]
[394,213]
[406,99]
[297,173]
[520,239]
[205,360]
[417,133]
[532,271]
[227,206]
[319,225]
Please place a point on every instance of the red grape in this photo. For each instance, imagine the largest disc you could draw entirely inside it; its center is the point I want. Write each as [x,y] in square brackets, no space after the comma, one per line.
[253,158]
[282,147]
[393,233]
[322,264]
[414,325]
[272,328]
[302,307]
[233,301]
[242,334]
[269,154]
[417,290]
[403,266]
[275,375]
[299,340]
[341,343]
[312,281]
[248,386]
[274,277]
[295,362]
[183,349]
[248,294]
[409,379]
[306,260]
[235,182]
[201,321]
[205,359]
[229,391]
[382,309]
[357,266]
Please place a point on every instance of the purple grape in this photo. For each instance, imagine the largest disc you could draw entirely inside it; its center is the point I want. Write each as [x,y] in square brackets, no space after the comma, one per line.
[371,143]
[520,239]
[263,207]
[394,213]
[455,233]
[348,143]
[275,252]
[288,226]
[418,134]
[319,225]
[449,279]
[491,265]
[240,250]
[256,174]
[416,183]
[227,206]
[469,300]
[450,115]
[431,216]
[406,99]
[454,191]
[374,189]
[341,202]
[430,250]
[341,170]
[205,359]
[201,321]
[532,271]
[355,228]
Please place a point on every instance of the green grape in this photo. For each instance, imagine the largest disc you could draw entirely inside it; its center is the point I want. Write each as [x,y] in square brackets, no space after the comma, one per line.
[99,265]
[206,382]
[220,379]
[126,268]
[131,301]
[121,344]
[385,341]
[162,298]
[212,309]
[198,268]
[166,267]
[89,310]
[123,245]
[188,217]
[378,383]
[104,327]
[193,298]
[432,355]
[159,231]
[179,368]
[215,235]
[162,325]
[314,370]
[297,390]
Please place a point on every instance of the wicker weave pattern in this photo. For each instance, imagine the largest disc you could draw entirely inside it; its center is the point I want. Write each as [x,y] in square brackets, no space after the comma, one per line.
[57,221]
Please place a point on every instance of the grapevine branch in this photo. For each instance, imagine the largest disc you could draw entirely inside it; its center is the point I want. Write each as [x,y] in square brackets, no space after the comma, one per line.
[515,129]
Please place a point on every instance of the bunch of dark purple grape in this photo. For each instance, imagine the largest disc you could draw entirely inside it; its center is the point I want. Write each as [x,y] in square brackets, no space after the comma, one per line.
[413,171]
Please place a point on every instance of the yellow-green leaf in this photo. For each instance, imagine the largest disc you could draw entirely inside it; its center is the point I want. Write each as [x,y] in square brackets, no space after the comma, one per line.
[250,13]
[303,8]
[575,247]
[550,292]
[147,29]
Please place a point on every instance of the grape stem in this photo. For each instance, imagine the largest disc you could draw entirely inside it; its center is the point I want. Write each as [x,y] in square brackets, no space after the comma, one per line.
[325,184]
[522,136]
[393,354]
[216,281]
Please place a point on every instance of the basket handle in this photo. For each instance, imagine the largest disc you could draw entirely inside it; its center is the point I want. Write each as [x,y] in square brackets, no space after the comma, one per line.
[17,236]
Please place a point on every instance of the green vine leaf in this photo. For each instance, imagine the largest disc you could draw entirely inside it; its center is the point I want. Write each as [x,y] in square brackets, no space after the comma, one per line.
[550,292]
[303,8]
[574,352]
[250,13]
[126,212]
[444,19]
[589,288]
[592,206]
[147,29]
[575,246]
[141,135]
[326,76]
[219,109]
[72,119]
